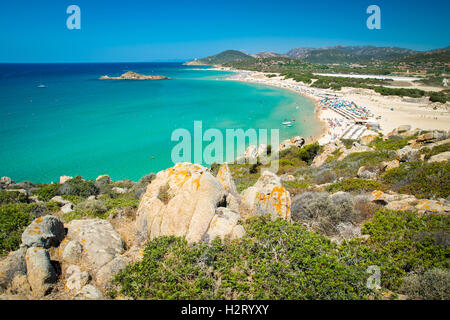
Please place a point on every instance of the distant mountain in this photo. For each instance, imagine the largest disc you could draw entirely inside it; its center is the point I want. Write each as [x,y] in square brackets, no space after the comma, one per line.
[351,54]
[299,53]
[221,58]
[433,56]
[265,54]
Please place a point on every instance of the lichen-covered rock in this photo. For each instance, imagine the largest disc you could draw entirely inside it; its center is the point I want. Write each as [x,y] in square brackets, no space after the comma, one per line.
[89,292]
[226,180]
[76,279]
[408,154]
[388,165]
[369,137]
[432,206]
[40,271]
[44,232]
[12,265]
[222,224]
[72,252]
[268,196]
[181,201]
[109,270]
[100,242]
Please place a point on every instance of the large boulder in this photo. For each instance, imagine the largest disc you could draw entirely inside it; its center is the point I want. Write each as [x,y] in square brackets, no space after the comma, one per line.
[181,201]
[41,273]
[293,142]
[72,252]
[223,224]
[408,154]
[13,264]
[106,273]
[45,232]
[268,196]
[226,180]
[100,242]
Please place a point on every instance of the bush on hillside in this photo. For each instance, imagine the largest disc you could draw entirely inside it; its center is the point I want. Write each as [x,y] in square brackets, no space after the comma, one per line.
[421,179]
[78,187]
[434,284]
[14,218]
[294,264]
[323,212]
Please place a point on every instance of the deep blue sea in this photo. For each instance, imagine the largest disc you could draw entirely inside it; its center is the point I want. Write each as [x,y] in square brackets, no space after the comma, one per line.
[78,124]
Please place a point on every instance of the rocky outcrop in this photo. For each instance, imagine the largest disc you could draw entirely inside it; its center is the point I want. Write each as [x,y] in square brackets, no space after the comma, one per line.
[268,196]
[223,224]
[182,201]
[356,148]
[44,232]
[130,75]
[441,157]
[293,142]
[76,279]
[100,242]
[327,151]
[40,272]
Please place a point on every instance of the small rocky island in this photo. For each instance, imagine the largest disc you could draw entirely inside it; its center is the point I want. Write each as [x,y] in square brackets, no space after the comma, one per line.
[130,75]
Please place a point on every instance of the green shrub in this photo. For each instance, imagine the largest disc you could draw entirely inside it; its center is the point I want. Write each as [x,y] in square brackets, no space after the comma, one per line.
[164,194]
[432,285]
[91,207]
[14,218]
[294,264]
[78,187]
[421,179]
[389,144]
[355,185]
[305,154]
[47,192]
[12,197]
[74,199]
[398,244]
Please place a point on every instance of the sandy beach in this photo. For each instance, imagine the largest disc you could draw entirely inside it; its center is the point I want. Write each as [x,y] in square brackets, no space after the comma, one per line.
[385,112]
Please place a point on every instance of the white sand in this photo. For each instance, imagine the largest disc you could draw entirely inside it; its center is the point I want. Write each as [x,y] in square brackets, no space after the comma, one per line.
[416,113]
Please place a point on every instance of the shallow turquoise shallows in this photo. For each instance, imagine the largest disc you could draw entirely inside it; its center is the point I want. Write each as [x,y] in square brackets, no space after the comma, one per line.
[78,124]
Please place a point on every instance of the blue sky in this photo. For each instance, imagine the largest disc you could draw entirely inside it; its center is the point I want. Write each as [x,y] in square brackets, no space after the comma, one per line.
[133,30]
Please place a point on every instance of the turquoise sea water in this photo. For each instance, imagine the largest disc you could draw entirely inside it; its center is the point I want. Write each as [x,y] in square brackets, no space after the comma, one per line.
[81,125]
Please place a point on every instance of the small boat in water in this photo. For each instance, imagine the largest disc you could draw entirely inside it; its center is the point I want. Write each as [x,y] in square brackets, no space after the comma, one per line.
[42,86]
[287,123]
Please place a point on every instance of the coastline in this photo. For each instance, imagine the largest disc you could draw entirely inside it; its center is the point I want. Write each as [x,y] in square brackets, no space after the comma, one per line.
[388,112]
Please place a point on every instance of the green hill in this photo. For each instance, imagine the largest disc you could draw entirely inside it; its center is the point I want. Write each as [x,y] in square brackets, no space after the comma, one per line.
[221,58]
